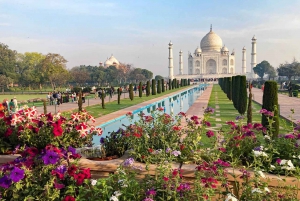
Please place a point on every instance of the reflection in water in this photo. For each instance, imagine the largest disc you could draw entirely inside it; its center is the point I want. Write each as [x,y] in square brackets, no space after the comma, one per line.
[178,103]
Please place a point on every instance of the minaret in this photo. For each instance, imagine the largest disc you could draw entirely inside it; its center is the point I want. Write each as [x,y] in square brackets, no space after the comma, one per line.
[170,61]
[244,61]
[180,63]
[253,57]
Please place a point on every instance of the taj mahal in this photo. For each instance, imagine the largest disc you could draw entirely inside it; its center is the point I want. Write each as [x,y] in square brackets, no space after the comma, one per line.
[211,60]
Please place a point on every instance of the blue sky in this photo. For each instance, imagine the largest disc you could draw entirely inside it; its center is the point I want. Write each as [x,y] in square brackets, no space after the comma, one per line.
[138,32]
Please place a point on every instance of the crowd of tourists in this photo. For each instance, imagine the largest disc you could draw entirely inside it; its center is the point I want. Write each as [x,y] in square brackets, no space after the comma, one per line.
[58,98]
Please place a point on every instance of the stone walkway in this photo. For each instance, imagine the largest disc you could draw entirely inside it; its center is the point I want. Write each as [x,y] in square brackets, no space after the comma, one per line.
[285,102]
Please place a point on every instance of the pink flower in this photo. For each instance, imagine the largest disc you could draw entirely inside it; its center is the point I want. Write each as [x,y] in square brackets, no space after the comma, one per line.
[278,161]
[210,134]
[129,114]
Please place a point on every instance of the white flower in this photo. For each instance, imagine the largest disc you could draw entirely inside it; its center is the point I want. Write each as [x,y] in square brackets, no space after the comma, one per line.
[147,136]
[267,137]
[272,167]
[114,198]
[260,153]
[230,198]
[287,165]
[117,193]
[283,162]
[256,190]
[261,174]
[267,189]
[93,182]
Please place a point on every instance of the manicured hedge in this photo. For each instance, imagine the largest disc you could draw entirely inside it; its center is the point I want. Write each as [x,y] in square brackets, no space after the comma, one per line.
[270,103]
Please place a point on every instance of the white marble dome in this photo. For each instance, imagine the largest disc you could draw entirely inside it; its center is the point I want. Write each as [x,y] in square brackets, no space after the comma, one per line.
[111,61]
[197,50]
[211,42]
[224,49]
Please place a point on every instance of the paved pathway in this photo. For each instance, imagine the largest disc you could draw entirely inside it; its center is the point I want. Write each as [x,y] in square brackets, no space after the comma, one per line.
[285,102]
[73,106]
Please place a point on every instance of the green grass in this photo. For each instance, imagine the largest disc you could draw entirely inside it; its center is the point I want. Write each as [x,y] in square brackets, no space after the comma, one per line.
[229,113]
[97,111]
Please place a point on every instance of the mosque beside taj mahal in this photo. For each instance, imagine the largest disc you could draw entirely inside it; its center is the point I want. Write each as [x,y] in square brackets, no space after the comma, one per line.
[211,60]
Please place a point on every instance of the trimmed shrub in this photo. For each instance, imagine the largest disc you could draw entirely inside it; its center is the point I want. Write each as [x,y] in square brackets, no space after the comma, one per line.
[140,90]
[102,98]
[170,85]
[131,92]
[153,87]
[242,95]
[229,88]
[189,82]
[119,95]
[158,87]
[249,109]
[162,85]
[270,103]
[148,88]
[80,101]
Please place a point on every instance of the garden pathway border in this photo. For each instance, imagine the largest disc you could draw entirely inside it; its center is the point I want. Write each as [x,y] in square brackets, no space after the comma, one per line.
[285,102]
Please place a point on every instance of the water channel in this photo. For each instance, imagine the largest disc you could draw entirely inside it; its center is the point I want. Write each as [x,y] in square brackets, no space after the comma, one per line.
[172,105]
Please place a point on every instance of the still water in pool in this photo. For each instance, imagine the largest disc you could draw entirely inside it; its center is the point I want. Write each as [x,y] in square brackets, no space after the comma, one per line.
[172,105]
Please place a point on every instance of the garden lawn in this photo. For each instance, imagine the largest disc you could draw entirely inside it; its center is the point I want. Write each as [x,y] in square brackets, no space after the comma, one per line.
[225,111]
[22,97]
[97,111]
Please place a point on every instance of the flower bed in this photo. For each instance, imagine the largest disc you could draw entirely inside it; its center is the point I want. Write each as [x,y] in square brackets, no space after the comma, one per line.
[164,161]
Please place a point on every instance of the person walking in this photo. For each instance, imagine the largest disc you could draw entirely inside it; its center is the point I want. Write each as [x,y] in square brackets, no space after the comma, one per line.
[16,104]
[11,105]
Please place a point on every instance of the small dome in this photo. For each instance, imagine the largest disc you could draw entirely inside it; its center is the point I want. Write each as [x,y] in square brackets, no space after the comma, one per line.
[244,48]
[198,51]
[211,42]
[254,38]
[170,43]
[224,49]
[111,61]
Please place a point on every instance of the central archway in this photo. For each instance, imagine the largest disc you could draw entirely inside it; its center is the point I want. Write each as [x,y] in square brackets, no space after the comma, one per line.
[211,67]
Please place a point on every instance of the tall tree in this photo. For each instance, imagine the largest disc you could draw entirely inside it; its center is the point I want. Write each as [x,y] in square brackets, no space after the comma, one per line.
[289,69]
[8,61]
[158,77]
[53,65]
[262,68]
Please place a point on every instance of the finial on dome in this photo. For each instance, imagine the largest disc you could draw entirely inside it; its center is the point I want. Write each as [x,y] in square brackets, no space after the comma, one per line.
[210,27]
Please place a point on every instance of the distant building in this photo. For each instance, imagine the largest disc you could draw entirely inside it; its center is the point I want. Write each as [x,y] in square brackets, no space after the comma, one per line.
[111,61]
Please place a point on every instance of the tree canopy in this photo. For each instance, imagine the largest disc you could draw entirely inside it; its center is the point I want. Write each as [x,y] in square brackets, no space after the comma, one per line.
[289,69]
[36,69]
[263,68]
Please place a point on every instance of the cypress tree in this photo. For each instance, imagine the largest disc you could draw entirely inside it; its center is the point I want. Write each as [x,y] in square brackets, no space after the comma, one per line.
[237,88]
[177,83]
[148,88]
[170,85]
[140,90]
[80,101]
[229,90]
[153,87]
[270,103]
[249,109]
[163,85]
[119,95]
[242,93]
[131,92]
[102,99]
[189,82]
[233,88]
[158,87]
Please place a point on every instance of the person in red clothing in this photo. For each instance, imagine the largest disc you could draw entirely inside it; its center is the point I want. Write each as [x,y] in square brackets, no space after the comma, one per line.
[262,87]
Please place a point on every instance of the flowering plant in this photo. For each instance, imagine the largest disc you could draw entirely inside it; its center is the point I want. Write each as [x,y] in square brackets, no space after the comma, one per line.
[160,137]
[46,174]
[28,128]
